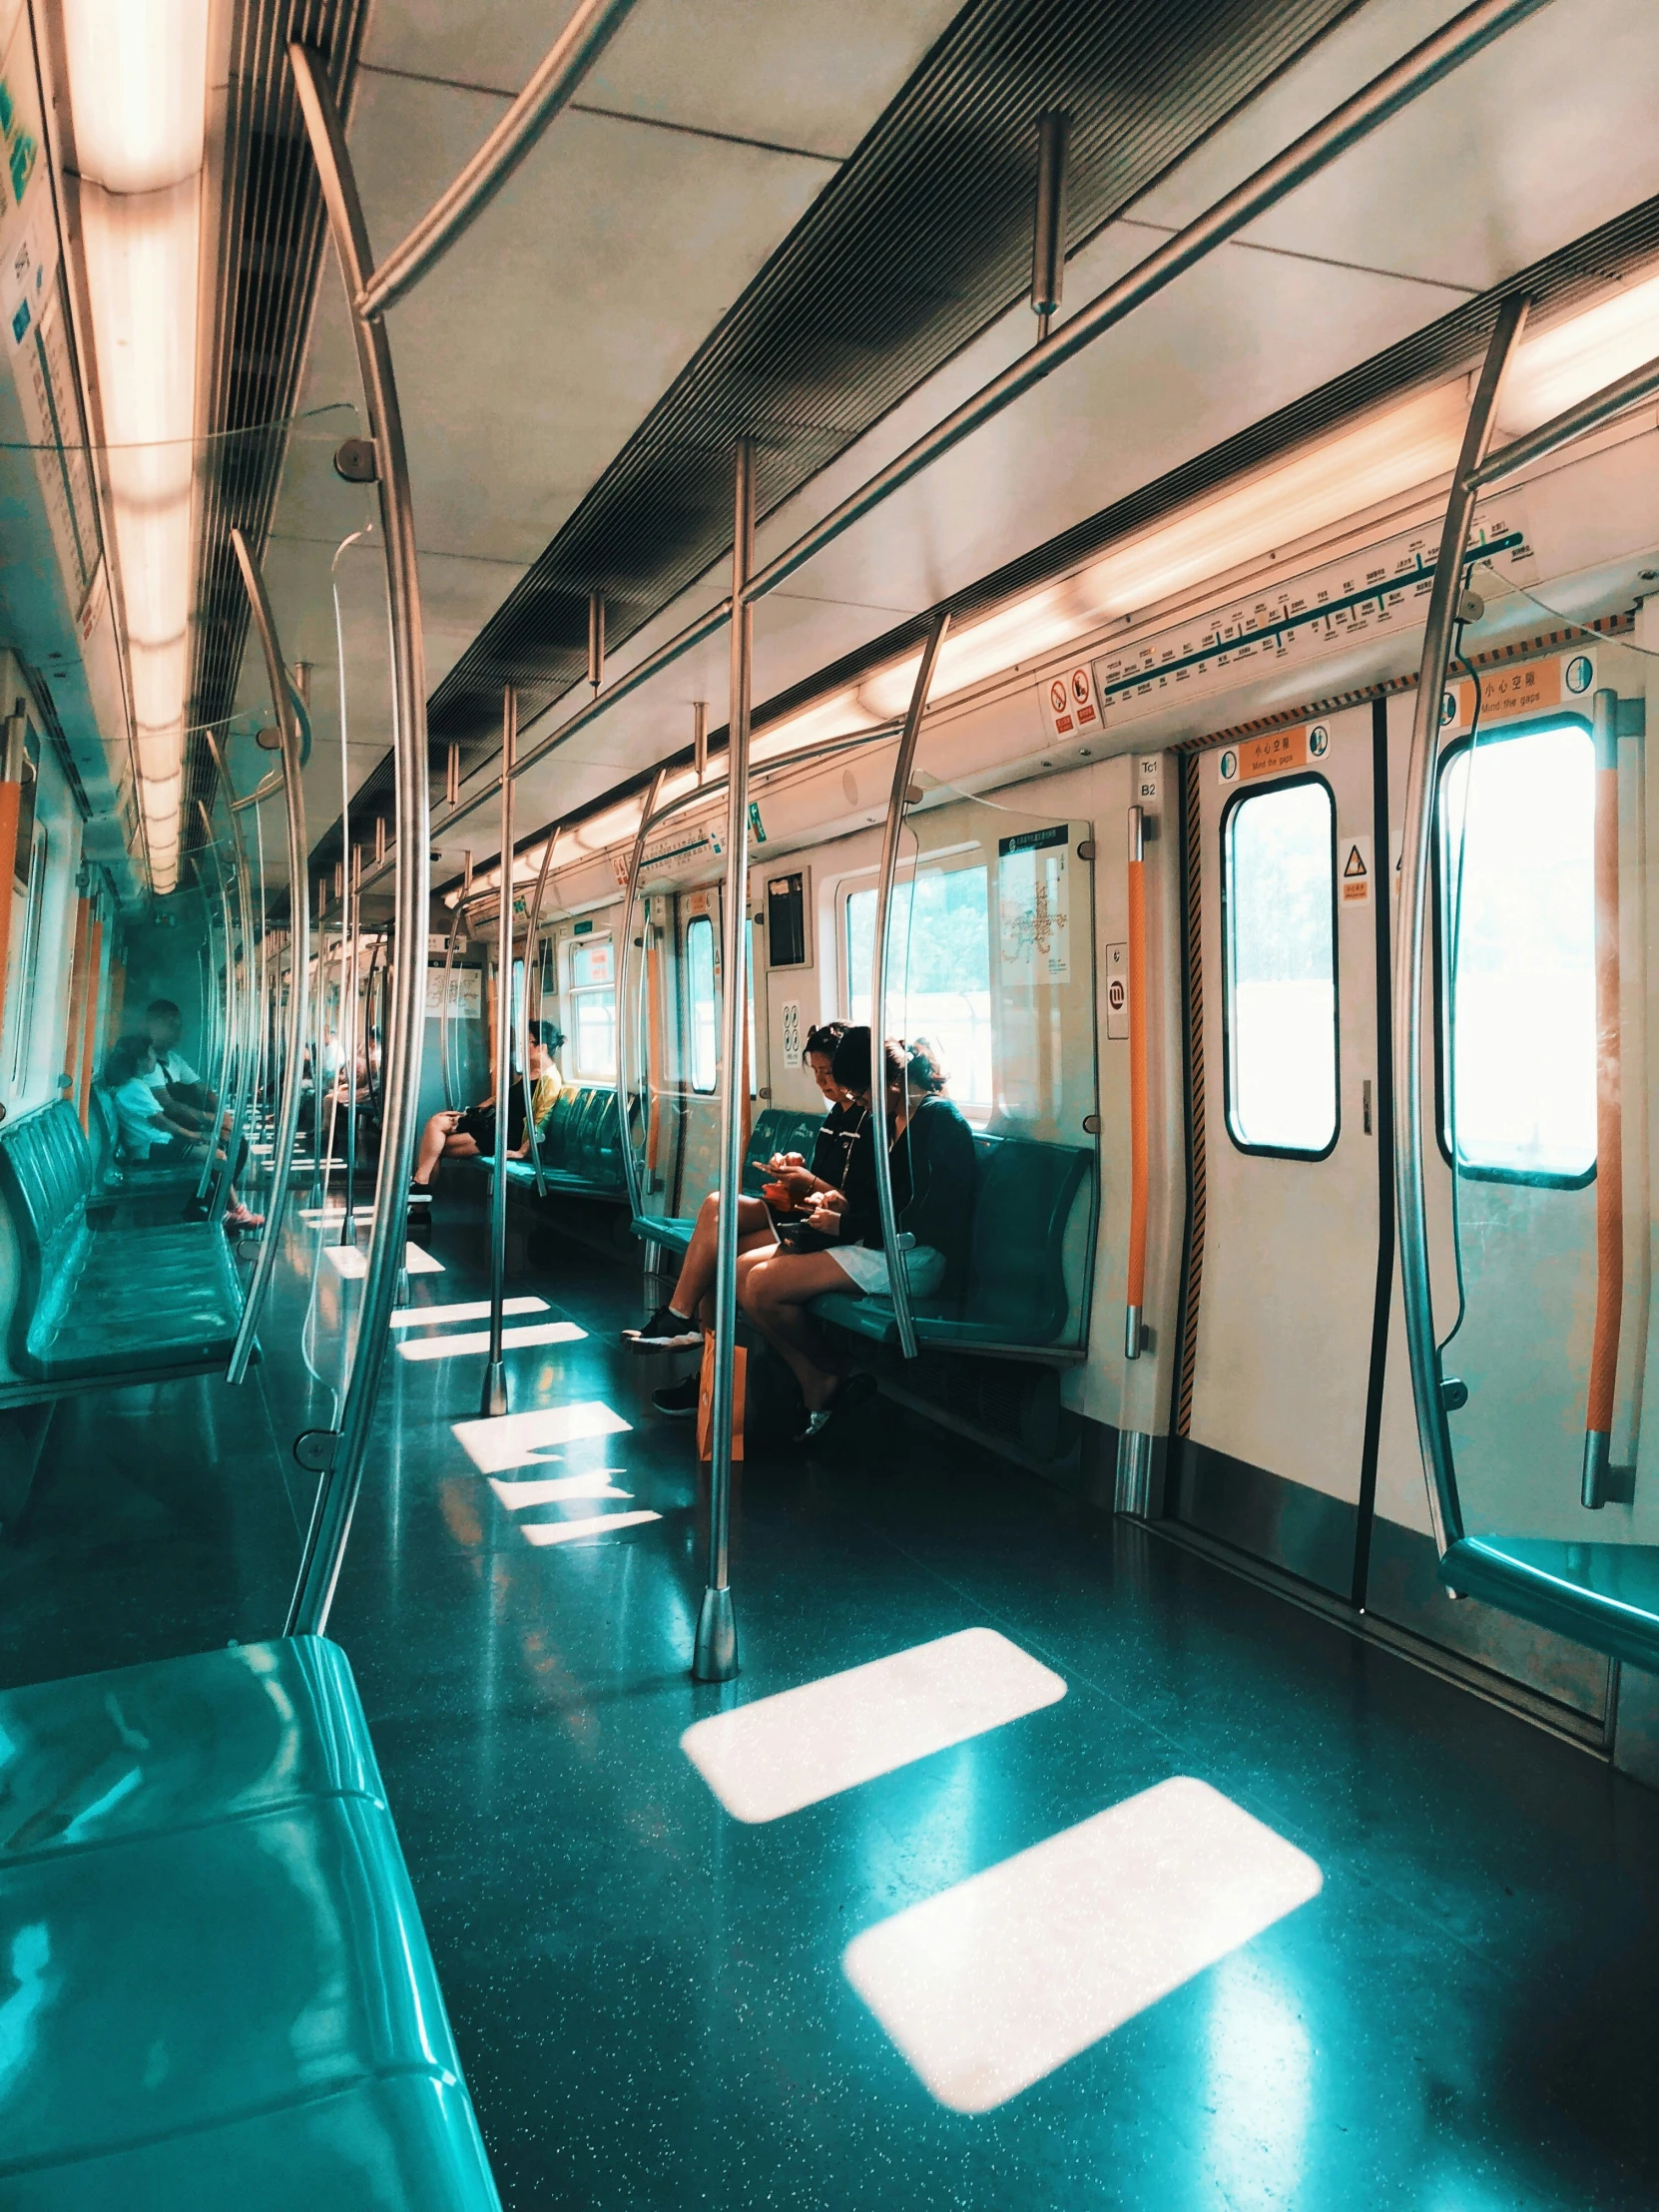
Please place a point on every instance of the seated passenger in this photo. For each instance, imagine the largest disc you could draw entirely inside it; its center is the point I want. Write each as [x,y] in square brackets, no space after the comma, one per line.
[152,1129]
[935,1172]
[189,1100]
[796,1186]
[469,1133]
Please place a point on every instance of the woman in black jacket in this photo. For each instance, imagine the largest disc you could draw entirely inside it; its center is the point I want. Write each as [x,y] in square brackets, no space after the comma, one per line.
[935,1173]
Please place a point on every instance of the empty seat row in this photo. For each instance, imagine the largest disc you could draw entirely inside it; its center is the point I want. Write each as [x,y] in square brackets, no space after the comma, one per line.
[222,1990]
[79,1304]
[580,1145]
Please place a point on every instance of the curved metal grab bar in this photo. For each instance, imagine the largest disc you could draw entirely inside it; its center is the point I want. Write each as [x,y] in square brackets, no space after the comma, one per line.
[636,860]
[1609,1314]
[898,1284]
[248,1010]
[1433,1435]
[1139,1176]
[337,1496]
[294,1049]
[578,46]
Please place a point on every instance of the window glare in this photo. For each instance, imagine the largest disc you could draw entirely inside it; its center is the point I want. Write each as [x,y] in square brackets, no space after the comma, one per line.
[1518,931]
[700,1002]
[938,971]
[1281,969]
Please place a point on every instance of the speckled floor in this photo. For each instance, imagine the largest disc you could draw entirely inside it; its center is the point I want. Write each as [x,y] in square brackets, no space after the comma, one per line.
[650,1995]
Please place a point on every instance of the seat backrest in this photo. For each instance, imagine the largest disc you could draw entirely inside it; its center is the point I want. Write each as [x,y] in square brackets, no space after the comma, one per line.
[1016,1267]
[45,1181]
[103,1133]
[554,1139]
[779,1129]
[605,1142]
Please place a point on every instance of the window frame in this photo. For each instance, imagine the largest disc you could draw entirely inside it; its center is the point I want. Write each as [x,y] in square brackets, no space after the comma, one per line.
[1535,1178]
[1236,801]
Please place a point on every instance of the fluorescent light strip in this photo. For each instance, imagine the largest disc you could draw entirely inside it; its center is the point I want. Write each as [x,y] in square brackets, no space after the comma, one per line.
[473,1308]
[352,1262]
[994,1984]
[522,1439]
[517,1496]
[774,1756]
[512,1340]
[566,1531]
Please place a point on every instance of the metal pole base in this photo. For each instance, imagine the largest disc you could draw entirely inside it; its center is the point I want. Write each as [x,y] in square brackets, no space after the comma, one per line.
[494,1399]
[716,1656]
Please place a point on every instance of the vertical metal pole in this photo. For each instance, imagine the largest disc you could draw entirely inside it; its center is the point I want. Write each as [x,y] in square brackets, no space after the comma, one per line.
[596,639]
[1048,241]
[287,1113]
[337,1492]
[1604,1349]
[625,1028]
[715,1657]
[494,1399]
[700,740]
[1433,1436]
[348,1012]
[881,1138]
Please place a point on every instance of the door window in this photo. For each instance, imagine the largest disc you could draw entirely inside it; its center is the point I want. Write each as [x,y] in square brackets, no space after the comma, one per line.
[700,1002]
[1278,896]
[1518,956]
[592,974]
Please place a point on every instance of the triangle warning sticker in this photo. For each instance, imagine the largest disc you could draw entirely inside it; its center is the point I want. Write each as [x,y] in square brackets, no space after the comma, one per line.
[1356,864]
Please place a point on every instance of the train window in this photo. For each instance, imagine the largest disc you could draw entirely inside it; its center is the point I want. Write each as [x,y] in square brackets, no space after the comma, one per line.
[938,972]
[1516,914]
[1279,897]
[592,974]
[700,1002]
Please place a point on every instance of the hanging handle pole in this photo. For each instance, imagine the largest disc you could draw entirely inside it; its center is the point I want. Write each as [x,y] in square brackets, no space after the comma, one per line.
[294,1049]
[532,925]
[899,1289]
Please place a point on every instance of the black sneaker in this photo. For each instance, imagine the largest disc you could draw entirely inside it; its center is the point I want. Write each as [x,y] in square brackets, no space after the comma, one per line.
[420,1194]
[665,1331]
[679,1400]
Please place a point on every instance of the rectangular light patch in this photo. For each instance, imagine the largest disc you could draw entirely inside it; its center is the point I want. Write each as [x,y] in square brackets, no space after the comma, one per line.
[780,1753]
[450,1348]
[566,1531]
[473,1308]
[348,1261]
[520,1439]
[994,1984]
[516,1496]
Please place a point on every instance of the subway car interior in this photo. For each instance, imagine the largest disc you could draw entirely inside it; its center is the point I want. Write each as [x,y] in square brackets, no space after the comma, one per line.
[829,1133]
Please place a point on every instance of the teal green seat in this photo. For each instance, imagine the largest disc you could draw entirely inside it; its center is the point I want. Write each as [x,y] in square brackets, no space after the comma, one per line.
[219,1978]
[581,1155]
[109,1306]
[779,1129]
[1603,1595]
[1014,1297]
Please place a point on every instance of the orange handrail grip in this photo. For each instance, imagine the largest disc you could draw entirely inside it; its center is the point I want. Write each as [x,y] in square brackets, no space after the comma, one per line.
[1135,1288]
[1604,1354]
[11,803]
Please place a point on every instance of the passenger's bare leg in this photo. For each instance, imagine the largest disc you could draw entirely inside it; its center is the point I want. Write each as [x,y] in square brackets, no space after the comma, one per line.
[432,1140]
[697,1270]
[777,1294]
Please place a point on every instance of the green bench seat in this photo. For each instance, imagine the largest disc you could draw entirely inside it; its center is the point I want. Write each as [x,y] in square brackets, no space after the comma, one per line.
[86,1307]
[1015,1294]
[779,1129]
[222,1990]
[115,1177]
[580,1145]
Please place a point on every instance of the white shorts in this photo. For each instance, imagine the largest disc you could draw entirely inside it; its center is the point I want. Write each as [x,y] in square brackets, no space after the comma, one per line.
[868,1270]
